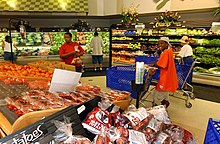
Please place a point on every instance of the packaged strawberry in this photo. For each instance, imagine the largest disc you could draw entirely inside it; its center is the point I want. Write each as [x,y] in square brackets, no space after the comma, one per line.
[138,118]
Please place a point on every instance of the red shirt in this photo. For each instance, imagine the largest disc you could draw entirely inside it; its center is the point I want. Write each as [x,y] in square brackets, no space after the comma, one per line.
[168,77]
[67,48]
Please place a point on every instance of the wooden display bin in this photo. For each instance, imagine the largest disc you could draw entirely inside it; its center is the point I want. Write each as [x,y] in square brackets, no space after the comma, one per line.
[123,104]
[69,67]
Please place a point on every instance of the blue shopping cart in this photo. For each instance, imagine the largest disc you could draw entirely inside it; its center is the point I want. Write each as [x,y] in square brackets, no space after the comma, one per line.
[213,132]
[121,78]
[184,72]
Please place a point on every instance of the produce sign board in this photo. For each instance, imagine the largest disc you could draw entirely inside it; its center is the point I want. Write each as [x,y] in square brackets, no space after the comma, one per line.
[43,130]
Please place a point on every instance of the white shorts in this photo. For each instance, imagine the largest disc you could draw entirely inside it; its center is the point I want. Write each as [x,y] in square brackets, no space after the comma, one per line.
[159,96]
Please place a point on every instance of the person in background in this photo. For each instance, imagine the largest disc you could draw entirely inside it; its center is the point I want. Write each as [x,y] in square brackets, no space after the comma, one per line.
[97,55]
[6,46]
[186,52]
[168,81]
[70,51]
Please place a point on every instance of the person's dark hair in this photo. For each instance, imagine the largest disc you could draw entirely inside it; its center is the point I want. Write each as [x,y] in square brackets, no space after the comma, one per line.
[7,38]
[96,34]
[67,33]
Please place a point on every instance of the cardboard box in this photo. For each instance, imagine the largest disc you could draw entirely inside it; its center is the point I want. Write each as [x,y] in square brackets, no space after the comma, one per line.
[123,104]
[69,67]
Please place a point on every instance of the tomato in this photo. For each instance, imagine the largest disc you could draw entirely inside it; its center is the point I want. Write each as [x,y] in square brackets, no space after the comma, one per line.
[7,82]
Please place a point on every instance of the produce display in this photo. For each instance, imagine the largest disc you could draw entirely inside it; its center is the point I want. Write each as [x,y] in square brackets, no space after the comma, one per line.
[129,46]
[37,43]
[103,35]
[151,125]
[7,69]
[209,56]
[123,59]
[37,96]
[205,44]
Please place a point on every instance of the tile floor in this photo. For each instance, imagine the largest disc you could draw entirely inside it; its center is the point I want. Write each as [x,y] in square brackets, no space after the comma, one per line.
[194,119]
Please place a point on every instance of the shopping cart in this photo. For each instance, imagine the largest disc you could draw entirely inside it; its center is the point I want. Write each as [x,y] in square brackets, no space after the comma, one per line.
[122,78]
[213,132]
[183,72]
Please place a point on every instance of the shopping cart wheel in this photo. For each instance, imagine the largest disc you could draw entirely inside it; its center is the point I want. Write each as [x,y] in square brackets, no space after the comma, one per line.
[188,104]
[192,96]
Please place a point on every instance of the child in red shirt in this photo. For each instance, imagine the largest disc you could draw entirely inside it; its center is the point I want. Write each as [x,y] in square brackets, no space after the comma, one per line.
[71,50]
[168,81]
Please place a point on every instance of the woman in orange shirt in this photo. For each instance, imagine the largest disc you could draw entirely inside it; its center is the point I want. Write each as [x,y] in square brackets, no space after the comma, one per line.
[168,81]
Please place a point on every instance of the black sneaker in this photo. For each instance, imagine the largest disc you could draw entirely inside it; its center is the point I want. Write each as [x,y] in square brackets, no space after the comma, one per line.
[166,103]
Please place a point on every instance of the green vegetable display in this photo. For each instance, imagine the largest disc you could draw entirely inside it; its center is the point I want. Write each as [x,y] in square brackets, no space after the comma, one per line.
[200,69]
[211,51]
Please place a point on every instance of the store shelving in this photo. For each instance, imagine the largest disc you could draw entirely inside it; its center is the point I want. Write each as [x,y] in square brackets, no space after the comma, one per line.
[205,44]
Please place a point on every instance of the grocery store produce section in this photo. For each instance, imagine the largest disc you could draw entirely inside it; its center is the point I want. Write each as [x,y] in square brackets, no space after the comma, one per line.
[45,45]
[111,119]
[25,88]
[126,44]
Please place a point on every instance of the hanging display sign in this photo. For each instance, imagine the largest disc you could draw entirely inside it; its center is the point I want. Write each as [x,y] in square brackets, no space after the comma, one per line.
[167,24]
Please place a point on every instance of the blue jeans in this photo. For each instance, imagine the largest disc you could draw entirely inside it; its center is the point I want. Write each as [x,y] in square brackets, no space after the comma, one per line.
[8,56]
[78,68]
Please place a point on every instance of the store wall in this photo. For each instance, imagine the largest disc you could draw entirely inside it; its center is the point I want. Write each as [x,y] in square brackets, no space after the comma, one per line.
[177,5]
[59,22]
[113,7]
[96,7]
[149,6]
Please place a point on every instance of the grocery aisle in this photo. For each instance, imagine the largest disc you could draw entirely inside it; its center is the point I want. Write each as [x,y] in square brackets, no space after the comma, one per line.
[194,119]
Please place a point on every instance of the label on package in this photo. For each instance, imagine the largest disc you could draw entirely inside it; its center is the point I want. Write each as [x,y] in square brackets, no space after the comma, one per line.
[161,138]
[136,137]
[154,125]
[137,115]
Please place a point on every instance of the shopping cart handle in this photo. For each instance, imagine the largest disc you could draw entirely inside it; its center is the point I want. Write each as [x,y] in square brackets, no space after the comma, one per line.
[198,60]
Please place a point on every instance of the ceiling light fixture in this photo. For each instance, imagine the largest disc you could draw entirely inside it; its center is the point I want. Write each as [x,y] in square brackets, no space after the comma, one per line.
[11,3]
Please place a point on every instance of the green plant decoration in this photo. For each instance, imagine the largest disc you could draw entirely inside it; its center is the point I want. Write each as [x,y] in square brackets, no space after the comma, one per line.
[130,15]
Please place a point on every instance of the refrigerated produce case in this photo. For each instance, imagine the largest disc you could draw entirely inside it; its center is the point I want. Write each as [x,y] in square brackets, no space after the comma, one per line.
[125,44]
[45,46]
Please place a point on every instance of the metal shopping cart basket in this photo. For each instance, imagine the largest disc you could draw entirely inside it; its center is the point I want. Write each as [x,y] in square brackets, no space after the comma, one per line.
[121,77]
[184,71]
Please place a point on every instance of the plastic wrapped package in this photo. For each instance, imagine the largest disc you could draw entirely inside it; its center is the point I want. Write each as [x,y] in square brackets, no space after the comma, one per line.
[120,135]
[160,114]
[39,85]
[96,120]
[152,129]
[139,118]
[89,88]
[163,138]
[64,133]
[180,135]
[120,95]
[13,81]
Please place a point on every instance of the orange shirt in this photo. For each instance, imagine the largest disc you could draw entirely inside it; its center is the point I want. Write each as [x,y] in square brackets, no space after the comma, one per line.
[168,80]
[67,48]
